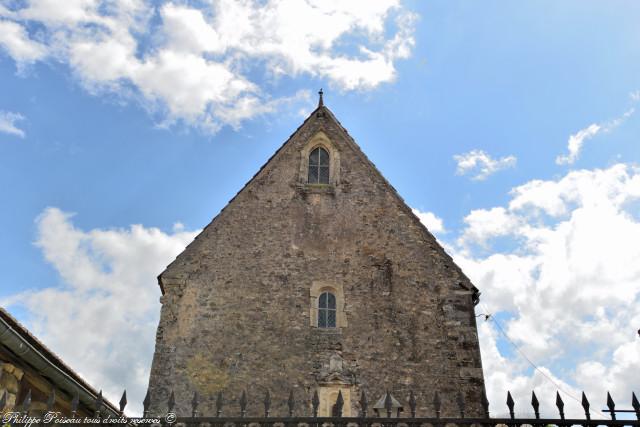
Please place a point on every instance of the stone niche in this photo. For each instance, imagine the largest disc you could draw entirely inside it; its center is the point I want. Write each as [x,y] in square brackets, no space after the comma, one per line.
[334,382]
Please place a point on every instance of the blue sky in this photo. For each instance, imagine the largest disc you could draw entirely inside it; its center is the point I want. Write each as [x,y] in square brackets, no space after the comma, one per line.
[101,150]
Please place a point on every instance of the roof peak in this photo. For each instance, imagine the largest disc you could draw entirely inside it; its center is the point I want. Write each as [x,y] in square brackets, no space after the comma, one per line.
[320,100]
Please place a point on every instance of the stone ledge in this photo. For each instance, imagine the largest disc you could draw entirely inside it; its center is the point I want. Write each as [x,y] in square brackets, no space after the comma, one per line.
[317,189]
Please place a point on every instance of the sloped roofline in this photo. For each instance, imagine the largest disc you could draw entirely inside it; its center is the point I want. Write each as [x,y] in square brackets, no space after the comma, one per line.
[34,353]
[403,205]
[242,189]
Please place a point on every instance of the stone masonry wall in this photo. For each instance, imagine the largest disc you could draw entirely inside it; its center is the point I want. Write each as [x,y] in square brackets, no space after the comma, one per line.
[235,313]
[10,377]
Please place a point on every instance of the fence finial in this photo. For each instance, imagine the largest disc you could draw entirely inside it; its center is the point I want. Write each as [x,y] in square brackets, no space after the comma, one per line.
[560,405]
[75,402]
[437,403]
[337,408]
[145,404]
[123,401]
[363,404]
[171,403]
[634,403]
[267,403]
[99,404]
[388,404]
[315,402]
[219,402]
[510,405]
[485,403]
[51,400]
[412,404]
[612,406]
[194,404]
[291,403]
[26,403]
[243,404]
[460,401]
[535,404]
[585,406]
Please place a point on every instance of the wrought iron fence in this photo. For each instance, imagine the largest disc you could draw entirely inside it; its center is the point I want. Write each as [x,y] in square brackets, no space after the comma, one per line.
[386,416]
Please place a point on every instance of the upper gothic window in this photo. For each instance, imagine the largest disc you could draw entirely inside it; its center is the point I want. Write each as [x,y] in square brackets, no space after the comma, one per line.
[319,166]
[327,310]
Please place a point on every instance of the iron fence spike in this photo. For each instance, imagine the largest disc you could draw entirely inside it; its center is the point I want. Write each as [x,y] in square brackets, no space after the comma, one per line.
[363,403]
[26,403]
[412,404]
[634,403]
[123,401]
[172,402]
[611,405]
[460,401]
[194,401]
[388,404]
[145,404]
[560,405]
[291,403]
[337,408]
[585,406]
[51,400]
[267,403]
[99,402]
[75,402]
[535,404]
[219,403]
[510,405]
[485,403]
[3,400]
[437,403]
[315,402]
[243,403]
[194,404]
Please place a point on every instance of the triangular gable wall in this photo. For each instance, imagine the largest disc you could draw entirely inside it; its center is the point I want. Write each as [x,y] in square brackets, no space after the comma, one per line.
[323,111]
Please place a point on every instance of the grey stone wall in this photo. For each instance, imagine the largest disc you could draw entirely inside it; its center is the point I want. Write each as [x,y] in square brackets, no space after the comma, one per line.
[235,311]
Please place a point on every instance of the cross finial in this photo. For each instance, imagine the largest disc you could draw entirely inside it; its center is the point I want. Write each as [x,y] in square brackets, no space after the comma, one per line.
[320,101]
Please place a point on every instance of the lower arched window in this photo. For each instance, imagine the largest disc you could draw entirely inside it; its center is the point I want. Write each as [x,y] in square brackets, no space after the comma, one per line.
[327,310]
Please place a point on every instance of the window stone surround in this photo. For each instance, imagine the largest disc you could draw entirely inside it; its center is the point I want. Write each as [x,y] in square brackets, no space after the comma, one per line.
[317,288]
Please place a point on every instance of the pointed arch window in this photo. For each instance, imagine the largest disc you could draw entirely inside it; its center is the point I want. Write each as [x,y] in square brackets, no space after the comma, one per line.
[318,166]
[327,310]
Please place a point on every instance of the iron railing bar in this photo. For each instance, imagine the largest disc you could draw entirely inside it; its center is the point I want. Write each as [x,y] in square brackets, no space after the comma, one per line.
[401,420]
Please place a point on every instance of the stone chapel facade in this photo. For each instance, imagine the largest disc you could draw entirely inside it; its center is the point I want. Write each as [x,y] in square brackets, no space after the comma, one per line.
[316,277]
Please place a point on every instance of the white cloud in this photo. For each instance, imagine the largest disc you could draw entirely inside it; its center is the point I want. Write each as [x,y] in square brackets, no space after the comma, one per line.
[203,63]
[481,164]
[430,220]
[108,297]
[8,123]
[575,143]
[15,40]
[567,285]
[577,140]
[483,224]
